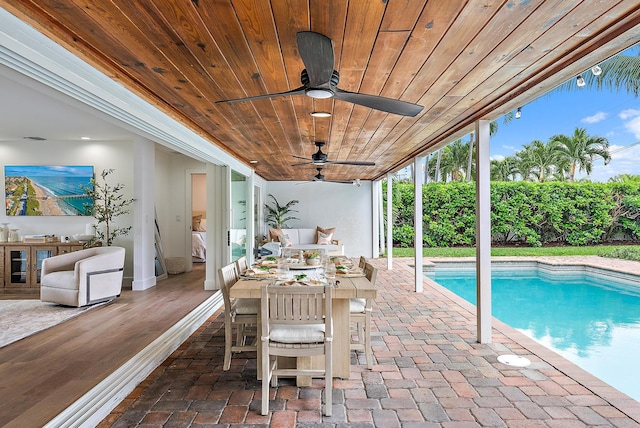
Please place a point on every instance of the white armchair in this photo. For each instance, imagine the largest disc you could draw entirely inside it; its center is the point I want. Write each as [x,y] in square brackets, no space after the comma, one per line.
[82,277]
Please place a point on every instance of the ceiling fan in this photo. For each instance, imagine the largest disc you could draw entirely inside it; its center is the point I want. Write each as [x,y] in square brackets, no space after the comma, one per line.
[320,158]
[320,80]
[320,177]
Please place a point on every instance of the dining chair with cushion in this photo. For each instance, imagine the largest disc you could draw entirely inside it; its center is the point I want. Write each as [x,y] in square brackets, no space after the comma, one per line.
[360,318]
[242,264]
[296,322]
[241,314]
[362,262]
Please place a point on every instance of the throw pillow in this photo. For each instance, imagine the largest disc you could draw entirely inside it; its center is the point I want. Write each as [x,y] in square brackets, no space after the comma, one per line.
[274,234]
[330,230]
[284,240]
[203,225]
[195,222]
[323,238]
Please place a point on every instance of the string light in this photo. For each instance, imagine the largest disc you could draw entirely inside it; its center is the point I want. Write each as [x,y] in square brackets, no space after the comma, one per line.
[580,81]
[519,113]
[596,70]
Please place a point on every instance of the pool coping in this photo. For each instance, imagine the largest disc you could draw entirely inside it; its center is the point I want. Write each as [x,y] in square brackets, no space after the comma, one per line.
[613,396]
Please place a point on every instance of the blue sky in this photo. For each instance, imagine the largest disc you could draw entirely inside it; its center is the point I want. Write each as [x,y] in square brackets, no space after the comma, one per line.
[615,116]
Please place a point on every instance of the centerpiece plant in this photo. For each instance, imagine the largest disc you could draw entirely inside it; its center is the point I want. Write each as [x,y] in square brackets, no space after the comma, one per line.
[312,257]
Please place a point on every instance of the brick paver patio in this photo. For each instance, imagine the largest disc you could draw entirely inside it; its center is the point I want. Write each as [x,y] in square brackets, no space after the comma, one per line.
[430,372]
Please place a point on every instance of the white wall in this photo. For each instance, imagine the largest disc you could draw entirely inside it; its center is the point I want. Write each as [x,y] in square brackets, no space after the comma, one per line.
[346,207]
[102,155]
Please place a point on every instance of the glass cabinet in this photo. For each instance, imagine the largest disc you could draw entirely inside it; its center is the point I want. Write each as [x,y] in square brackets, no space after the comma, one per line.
[21,265]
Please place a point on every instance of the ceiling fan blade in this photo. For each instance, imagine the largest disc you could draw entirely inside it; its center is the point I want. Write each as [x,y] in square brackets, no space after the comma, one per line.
[388,105]
[340,181]
[352,163]
[316,51]
[300,157]
[297,91]
[302,163]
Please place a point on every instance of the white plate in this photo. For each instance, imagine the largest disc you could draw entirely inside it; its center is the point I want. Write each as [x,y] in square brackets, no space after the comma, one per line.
[302,266]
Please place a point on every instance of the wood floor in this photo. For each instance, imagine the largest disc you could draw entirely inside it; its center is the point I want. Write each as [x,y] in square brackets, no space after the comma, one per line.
[43,374]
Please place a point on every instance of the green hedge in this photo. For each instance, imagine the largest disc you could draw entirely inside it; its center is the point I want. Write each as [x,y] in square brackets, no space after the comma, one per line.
[522,213]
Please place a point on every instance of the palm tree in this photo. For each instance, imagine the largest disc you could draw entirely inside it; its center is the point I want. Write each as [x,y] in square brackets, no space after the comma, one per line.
[503,170]
[454,160]
[580,150]
[541,157]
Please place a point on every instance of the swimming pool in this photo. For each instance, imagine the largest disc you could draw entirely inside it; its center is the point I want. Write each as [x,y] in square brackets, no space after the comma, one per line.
[589,316]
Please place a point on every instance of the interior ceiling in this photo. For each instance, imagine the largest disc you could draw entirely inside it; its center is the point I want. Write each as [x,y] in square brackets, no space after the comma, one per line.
[461,60]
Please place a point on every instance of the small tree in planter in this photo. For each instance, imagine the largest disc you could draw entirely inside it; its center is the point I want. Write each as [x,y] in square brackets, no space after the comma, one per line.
[108,203]
[278,215]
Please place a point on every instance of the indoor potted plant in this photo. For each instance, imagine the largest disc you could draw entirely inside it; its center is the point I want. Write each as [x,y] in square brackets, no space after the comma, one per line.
[278,215]
[108,203]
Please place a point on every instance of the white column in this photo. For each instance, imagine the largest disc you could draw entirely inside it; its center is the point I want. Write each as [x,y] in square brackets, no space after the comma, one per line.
[217,207]
[417,223]
[389,222]
[375,223]
[483,233]
[144,272]
[251,233]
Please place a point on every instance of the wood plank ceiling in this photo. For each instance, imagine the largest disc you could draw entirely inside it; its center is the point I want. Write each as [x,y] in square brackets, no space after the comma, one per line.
[461,60]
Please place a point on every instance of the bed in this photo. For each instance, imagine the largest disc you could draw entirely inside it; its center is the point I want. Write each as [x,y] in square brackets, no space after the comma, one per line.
[198,246]
[198,239]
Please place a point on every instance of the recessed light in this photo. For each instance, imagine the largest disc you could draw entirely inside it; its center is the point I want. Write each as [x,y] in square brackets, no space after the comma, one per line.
[85,138]
[253,161]
[320,114]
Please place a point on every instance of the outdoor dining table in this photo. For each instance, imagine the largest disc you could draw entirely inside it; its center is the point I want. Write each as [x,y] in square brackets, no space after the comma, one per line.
[346,288]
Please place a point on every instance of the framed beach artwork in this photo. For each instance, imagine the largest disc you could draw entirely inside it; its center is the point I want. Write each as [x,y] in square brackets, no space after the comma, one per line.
[37,190]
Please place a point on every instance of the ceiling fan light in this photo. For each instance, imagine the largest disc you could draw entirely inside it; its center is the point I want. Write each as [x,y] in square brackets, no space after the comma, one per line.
[320,114]
[319,93]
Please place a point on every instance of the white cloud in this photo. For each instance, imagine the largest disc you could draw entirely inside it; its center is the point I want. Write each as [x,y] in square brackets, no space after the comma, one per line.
[629,113]
[623,161]
[599,116]
[498,157]
[633,126]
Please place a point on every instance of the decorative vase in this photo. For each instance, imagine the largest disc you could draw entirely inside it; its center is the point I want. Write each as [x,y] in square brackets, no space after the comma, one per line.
[4,232]
[14,236]
[315,261]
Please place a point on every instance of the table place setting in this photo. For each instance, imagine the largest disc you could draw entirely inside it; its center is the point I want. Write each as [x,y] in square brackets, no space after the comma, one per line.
[260,272]
[349,271]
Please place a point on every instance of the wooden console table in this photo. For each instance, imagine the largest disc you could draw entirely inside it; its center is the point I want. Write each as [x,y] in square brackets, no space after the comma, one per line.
[21,263]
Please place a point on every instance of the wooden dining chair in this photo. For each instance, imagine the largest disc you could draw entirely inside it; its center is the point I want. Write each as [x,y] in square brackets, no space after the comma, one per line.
[242,264]
[363,261]
[296,322]
[360,318]
[241,315]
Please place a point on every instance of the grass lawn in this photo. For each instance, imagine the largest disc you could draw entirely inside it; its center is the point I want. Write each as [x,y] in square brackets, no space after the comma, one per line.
[629,252]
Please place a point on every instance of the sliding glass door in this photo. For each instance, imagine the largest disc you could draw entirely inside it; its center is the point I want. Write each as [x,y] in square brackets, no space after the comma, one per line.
[238,230]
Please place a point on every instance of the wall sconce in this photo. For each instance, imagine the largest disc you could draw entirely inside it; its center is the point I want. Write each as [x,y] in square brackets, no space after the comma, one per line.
[580,81]
[519,113]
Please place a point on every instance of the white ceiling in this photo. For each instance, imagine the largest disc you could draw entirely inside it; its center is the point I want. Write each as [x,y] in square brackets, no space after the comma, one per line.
[30,109]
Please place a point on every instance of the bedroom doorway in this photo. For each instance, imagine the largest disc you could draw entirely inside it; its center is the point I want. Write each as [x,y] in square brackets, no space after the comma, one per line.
[198,218]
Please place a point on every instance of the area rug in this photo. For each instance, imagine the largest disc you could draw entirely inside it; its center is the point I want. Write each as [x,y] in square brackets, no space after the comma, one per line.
[22,318]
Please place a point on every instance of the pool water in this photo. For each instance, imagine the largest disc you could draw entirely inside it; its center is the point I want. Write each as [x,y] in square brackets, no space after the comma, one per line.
[591,320]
